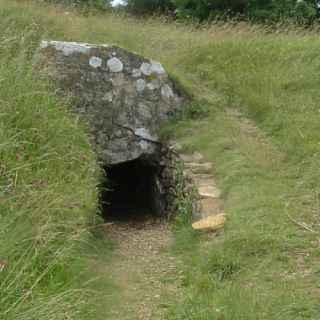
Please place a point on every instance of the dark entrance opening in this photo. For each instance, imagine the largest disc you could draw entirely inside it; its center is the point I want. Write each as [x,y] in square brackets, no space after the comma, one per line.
[131,191]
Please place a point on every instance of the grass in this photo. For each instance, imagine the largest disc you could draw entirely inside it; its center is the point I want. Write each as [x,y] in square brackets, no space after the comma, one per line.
[47,188]
[264,265]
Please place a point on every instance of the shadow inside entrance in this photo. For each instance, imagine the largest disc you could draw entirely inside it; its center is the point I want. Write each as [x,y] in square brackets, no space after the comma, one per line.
[130,192]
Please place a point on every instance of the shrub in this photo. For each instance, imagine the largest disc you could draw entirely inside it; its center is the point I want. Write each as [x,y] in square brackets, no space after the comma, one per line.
[99,4]
[204,9]
[258,10]
[305,12]
[149,6]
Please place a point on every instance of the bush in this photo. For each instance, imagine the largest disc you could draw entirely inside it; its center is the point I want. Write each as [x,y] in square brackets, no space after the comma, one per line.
[303,11]
[205,9]
[259,10]
[149,6]
[98,4]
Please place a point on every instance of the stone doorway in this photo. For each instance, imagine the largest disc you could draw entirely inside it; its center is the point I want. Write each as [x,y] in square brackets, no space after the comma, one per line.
[131,191]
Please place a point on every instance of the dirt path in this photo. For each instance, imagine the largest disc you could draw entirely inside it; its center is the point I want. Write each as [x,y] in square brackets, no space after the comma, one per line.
[146,275]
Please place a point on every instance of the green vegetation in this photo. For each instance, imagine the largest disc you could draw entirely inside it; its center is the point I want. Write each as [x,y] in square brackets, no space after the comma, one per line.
[149,6]
[93,4]
[301,11]
[48,180]
[258,10]
[265,264]
[268,11]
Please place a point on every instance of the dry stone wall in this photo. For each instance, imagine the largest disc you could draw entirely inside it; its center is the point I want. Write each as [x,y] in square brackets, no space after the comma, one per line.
[124,97]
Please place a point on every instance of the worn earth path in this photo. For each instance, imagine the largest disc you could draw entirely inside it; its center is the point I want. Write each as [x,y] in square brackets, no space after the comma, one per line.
[146,274]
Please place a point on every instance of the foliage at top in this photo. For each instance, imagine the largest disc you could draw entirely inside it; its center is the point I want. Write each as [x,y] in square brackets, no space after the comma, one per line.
[148,6]
[99,4]
[301,11]
[259,10]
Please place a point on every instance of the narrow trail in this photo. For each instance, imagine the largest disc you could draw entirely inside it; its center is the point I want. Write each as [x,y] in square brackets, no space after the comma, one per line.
[146,275]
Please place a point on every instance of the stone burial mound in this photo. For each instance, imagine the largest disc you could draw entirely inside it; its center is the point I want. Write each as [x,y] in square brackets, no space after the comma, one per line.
[125,99]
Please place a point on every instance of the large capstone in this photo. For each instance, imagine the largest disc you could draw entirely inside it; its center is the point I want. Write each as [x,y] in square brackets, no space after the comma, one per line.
[124,97]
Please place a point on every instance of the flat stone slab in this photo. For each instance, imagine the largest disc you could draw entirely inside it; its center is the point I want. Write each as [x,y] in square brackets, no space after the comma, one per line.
[196,167]
[210,207]
[212,223]
[203,176]
[209,192]
[203,180]
[194,157]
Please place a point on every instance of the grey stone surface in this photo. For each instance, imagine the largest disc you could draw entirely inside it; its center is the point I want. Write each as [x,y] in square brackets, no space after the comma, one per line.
[124,97]
[146,69]
[115,65]
[141,84]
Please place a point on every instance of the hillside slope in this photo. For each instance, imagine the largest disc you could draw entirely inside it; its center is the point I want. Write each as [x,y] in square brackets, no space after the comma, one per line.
[48,179]
[255,117]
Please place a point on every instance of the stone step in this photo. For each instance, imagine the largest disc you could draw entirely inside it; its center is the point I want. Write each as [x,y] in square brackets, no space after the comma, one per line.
[210,207]
[175,146]
[201,181]
[194,157]
[202,176]
[195,167]
[209,191]
[212,223]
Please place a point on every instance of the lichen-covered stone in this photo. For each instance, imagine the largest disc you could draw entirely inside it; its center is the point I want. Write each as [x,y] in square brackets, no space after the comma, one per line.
[140,84]
[115,65]
[95,62]
[124,97]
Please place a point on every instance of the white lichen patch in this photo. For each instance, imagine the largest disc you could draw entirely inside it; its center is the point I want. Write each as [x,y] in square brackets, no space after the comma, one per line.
[167,92]
[152,68]
[140,85]
[146,69]
[44,44]
[108,97]
[153,85]
[136,73]
[144,145]
[115,65]
[95,62]
[145,134]
[156,67]
[68,48]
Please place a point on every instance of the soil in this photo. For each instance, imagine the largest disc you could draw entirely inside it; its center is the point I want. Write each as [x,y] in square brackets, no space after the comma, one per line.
[143,269]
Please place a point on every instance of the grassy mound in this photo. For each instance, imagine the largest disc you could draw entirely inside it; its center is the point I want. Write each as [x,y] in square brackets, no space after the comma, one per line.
[265,265]
[48,179]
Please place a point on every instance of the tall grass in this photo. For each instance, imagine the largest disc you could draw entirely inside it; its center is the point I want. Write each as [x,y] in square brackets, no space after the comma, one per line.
[48,180]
